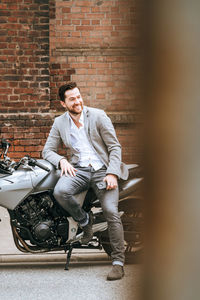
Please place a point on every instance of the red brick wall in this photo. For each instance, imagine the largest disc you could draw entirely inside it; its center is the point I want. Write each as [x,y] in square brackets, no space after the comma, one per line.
[27,133]
[91,42]
[24,56]
[24,75]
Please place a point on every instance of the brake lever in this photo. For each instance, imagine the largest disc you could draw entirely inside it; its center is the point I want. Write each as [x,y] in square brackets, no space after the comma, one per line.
[25,162]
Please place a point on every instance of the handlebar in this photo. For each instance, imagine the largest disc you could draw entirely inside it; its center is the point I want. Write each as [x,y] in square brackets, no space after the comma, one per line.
[6,163]
[33,162]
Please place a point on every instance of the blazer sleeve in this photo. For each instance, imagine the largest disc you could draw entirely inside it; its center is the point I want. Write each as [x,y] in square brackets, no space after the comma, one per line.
[51,146]
[109,137]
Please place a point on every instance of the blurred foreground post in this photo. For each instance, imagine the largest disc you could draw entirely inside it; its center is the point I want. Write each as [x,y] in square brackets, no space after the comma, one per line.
[173,152]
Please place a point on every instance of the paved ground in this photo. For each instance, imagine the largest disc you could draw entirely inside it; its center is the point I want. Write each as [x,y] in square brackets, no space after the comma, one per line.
[82,281]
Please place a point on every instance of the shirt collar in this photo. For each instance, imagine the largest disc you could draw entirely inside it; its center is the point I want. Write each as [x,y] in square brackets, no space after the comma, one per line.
[81,120]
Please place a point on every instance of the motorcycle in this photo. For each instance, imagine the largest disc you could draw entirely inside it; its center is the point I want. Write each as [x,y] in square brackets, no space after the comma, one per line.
[39,224]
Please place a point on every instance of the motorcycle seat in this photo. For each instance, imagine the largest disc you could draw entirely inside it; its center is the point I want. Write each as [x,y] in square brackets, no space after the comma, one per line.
[132,166]
[135,171]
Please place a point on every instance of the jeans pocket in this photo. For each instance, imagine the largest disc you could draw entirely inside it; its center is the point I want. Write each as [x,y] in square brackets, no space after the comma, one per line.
[103,168]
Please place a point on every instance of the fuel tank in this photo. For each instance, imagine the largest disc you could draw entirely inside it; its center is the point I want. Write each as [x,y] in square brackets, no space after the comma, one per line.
[43,180]
[15,187]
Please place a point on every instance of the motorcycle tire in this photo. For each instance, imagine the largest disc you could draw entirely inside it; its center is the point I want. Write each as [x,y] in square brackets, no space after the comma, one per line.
[133,222]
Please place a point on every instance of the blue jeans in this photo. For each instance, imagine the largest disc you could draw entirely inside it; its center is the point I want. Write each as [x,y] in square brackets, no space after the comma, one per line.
[85,178]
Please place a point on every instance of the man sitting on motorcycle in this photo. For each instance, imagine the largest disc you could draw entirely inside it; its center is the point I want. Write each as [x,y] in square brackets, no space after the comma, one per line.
[95,162]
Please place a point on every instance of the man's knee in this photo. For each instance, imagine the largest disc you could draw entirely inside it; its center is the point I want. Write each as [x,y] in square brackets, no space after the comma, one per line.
[111,213]
[60,191]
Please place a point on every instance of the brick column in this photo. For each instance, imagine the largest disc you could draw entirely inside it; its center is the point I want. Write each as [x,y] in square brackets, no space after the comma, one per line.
[24,74]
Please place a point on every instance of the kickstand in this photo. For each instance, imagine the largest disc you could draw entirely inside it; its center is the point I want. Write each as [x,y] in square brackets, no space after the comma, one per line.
[69,253]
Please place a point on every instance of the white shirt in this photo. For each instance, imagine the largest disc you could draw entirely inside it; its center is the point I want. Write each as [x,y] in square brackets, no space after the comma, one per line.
[80,142]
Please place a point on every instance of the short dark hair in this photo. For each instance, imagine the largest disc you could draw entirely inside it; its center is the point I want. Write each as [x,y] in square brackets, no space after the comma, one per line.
[70,85]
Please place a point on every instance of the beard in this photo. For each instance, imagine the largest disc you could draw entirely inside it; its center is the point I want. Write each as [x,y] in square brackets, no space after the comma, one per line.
[74,109]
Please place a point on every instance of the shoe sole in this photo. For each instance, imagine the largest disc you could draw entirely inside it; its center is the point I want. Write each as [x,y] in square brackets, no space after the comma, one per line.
[113,279]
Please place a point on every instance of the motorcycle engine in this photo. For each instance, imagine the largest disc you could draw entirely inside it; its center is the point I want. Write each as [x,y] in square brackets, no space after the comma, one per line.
[39,221]
[42,230]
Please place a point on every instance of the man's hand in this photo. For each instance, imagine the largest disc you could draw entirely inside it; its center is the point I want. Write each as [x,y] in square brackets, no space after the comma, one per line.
[67,168]
[111,180]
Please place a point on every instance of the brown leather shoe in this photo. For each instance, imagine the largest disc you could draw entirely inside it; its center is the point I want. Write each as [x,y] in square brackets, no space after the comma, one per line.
[87,231]
[116,273]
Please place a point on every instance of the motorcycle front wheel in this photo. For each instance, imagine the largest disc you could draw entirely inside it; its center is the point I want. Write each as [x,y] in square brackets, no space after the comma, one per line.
[133,222]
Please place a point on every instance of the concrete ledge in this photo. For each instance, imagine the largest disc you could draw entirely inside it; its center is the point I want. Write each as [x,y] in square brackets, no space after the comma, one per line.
[95,51]
[76,257]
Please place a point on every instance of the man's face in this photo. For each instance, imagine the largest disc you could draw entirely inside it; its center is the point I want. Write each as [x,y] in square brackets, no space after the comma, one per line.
[73,101]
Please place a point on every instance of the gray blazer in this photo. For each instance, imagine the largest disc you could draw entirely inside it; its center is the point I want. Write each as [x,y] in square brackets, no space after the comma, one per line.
[101,135]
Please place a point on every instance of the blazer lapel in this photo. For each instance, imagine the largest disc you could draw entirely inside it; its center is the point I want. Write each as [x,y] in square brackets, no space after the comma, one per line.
[66,128]
[86,121]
